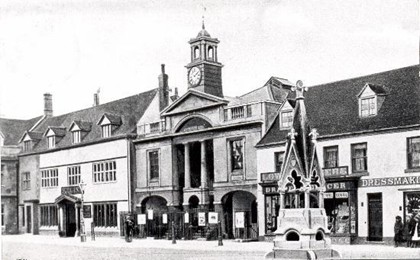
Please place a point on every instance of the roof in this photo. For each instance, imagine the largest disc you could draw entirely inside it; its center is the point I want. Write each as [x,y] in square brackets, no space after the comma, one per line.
[13,129]
[333,108]
[129,109]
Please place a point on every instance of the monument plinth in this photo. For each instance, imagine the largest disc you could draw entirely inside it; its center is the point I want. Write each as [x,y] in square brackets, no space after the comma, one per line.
[302,225]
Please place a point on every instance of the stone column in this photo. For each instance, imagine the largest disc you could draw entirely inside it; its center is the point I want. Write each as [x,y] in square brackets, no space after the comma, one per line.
[218,207]
[59,218]
[281,202]
[203,165]
[307,204]
[321,198]
[297,198]
[187,173]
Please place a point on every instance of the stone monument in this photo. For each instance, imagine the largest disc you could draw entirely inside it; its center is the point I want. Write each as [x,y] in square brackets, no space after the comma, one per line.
[302,224]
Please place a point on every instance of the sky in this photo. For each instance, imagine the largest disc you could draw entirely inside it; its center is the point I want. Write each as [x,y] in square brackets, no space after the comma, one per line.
[72,48]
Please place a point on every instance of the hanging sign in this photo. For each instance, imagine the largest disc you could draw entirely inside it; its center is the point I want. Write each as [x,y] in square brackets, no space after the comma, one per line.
[213,218]
[141,219]
[201,219]
[87,211]
[186,217]
[150,214]
[165,218]
[240,219]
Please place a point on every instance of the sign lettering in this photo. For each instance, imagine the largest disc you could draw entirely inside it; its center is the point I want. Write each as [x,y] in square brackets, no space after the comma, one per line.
[339,186]
[213,217]
[69,190]
[391,181]
[337,171]
[201,219]
[270,176]
[270,190]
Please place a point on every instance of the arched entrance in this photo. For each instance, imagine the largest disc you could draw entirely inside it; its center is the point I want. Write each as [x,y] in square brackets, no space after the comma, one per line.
[69,215]
[240,215]
[155,207]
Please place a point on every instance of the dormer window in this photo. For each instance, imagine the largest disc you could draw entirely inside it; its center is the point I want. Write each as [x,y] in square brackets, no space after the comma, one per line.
[371,98]
[286,119]
[76,136]
[51,141]
[368,107]
[27,145]
[106,130]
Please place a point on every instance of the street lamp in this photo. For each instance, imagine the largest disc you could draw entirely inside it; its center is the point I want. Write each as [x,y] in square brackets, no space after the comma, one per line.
[82,219]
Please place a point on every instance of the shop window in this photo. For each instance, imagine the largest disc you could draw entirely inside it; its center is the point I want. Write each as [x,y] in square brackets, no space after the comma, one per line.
[104,172]
[49,178]
[271,211]
[331,157]
[73,175]
[413,152]
[105,214]
[286,119]
[49,215]
[237,154]
[26,181]
[154,165]
[411,203]
[278,161]
[341,212]
[359,157]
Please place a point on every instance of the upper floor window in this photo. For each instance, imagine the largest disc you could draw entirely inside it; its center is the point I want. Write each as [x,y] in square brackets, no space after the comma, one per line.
[105,171]
[49,178]
[51,141]
[368,106]
[237,112]
[237,154]
[286,119]
[278,161]
[73,175]
[331,157]
[106,130]
[248,110]
[76,136]
[413,152]
[155,127]
[359,157]
[26,180]
[27,145]
[154,165]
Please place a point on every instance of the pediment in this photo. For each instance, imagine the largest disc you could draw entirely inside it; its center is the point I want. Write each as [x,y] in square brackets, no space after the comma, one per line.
[193,100]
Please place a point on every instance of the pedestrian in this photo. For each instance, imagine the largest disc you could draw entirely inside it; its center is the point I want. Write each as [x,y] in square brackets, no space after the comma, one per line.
[398,231]
[415,240]
[406,231]
[411,227]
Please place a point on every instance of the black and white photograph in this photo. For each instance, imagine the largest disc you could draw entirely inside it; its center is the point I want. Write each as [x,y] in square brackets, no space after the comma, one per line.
[199,129]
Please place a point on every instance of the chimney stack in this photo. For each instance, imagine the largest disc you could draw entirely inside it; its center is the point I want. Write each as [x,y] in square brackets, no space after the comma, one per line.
[96,98]
[163,89]
[48,109]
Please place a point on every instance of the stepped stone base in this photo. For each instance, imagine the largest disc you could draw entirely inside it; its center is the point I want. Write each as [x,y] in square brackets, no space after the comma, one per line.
[309,254]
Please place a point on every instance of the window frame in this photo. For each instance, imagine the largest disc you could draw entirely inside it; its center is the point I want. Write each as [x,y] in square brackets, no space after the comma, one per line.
[104,172]
[231,156]
[51,141]
[74,175]
[27,145]
[149,165]
[76,136]
[409,154]
[277,155]
[106,130]
[105,215]
[49,178]
[326,148]
[371,111]
[282,121]
[353,158]
[26,181]
[48,216]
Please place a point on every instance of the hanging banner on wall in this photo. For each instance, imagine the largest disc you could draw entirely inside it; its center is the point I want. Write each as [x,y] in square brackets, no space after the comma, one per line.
[165,218]
[150,214]
[213,218]
[141,219]
[201,219]
[186,217]
[239,219]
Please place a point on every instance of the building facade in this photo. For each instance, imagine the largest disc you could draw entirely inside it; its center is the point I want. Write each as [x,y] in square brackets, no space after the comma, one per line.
[368,146]
[196,160]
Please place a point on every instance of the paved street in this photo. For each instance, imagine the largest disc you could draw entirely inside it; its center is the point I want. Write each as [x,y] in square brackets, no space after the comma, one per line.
[46,247]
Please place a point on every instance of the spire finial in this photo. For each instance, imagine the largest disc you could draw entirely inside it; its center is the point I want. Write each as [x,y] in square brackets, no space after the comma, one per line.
[203,26]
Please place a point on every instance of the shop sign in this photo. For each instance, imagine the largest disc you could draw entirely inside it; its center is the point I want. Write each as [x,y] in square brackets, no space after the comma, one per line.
[201,219]
[337,171]
[141,219]
[240,219]
[341,195]
[339,185]
[270,190]
[69,190]
[213,218]
[328,195]
[237,177]
[150,214]
[392,181]
[165,218]
[87,211]
[270,176]
[186,218]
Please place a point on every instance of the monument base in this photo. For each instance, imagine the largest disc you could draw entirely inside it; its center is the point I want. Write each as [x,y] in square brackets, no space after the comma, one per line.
[326,253]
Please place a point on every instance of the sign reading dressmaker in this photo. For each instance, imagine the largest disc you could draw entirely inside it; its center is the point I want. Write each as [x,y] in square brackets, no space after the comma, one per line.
[239,219]
[141,219]
[213,217]
[201,219]
[392,181]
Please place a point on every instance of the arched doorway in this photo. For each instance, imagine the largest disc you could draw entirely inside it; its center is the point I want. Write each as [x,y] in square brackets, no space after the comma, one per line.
[240,215]
[155,207]
[68,215]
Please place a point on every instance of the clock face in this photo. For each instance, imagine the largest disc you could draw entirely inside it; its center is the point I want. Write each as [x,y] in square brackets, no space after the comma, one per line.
[194,76]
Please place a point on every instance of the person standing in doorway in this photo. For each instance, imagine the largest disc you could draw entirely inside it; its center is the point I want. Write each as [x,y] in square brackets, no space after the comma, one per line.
[398,231]
[415,232]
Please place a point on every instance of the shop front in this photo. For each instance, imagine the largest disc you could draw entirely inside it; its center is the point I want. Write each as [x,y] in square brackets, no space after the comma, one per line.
[340,202]
[269,184]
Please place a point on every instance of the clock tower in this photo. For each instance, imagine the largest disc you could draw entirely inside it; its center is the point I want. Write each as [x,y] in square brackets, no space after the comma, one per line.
[204,70]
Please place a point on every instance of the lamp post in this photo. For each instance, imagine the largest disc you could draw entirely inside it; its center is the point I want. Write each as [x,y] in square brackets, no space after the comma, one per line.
[82,219]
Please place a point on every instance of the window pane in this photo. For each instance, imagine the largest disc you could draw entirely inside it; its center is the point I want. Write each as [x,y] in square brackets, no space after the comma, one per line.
[236,154]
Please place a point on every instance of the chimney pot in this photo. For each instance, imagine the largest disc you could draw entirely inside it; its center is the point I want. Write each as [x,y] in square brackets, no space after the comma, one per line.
[163,68]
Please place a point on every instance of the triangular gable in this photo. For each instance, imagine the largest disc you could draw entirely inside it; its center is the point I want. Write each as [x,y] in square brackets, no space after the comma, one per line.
[31,136]
[55,131]
[68,197]
[193,100]
[108,119]
[371,90]
[80,126]
[291,162]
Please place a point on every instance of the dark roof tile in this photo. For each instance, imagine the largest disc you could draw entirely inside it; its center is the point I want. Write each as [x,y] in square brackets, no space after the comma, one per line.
[13,129]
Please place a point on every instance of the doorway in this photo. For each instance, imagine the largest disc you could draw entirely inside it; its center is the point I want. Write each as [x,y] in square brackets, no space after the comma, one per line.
[70,220]
[375,216]
[28,219]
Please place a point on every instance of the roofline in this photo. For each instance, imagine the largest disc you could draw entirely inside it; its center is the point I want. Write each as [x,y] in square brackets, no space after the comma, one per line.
[37,123]
[109,139]
[343,135]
